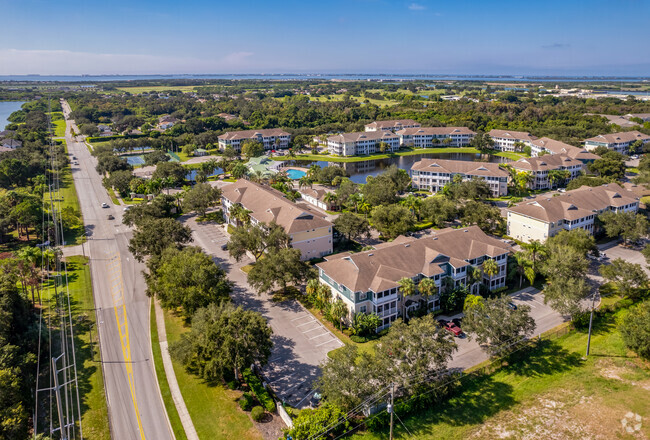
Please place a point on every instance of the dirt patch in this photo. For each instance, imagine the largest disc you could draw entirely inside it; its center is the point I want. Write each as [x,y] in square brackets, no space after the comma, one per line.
[270,427]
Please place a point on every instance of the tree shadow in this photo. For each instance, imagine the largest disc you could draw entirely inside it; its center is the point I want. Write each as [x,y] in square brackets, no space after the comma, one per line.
[544,358]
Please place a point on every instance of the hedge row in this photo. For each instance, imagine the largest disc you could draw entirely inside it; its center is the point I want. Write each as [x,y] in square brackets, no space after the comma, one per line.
[260,392]
[110,138]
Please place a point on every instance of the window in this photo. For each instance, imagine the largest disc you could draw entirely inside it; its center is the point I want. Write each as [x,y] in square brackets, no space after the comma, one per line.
[362,309]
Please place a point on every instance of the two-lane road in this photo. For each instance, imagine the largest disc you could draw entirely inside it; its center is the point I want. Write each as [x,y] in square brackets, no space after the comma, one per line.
[135,407]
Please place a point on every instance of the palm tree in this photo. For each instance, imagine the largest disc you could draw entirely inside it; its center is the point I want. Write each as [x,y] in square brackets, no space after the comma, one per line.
[241,215]
[323,296]
[305,182]
[522,265]
[313,171]
[475,276]
[557,176]
[239,170]
[413,203]
[365,208]
[353,200]
[427,288]
[406,286]
[338,311]
[523,180]
[312,286]
[29,263]
[535,251]
[291,153]
[490,267]
[330,198]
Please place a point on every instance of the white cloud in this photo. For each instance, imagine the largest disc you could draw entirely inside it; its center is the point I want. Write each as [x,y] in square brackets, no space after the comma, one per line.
[417,7]
[66,62]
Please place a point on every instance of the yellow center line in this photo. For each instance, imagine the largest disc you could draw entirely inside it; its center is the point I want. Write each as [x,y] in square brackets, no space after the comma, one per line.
[123,327]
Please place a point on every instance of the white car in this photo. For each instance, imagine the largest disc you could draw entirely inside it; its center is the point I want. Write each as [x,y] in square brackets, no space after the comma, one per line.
[104,205]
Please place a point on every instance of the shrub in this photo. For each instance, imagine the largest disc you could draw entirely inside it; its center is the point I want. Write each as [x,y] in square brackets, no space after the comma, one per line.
[257,413]
[258,389]
[246,402]
[358,339]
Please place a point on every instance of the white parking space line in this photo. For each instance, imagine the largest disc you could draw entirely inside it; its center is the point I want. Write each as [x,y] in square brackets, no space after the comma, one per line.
[300,317]
[328,342]
[312,329]
[322,334]
[306,323]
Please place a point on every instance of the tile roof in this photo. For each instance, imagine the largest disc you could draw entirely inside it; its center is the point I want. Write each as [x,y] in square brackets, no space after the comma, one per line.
[576,203]
[438,131]
[545,163]
[268,204]
[383,267]
[510,134]
[621,137]
[460,166]
[394,123]
[363,136]
[252,134]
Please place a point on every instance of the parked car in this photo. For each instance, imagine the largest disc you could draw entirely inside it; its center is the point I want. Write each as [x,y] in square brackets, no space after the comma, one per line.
[224,247]
[450,326]
[110,217]
[512,305]
[104,205]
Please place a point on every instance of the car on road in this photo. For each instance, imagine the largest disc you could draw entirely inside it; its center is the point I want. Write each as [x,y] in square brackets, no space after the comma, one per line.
[110,217]
[450,326]
[224,247]
[104,205]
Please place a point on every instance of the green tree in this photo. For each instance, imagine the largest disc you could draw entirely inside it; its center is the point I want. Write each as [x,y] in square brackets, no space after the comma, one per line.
[438,210]
[310,423]
[252,149]
[592,181]
[496,326]
[610,165]
[364,324]
[120,181]
[202,197]
[352,226]
[392,220]
[406,287]
[338,312]
[241,215]
[280,267]
[564,294]
[490,267]
[486,217]
[257,240]
[239,170]
[380,190]
[224,338]
[427,288]
[631,227]
[170,169]
[628,278]
[156,157]
[154,235]
[187,279]
[635,329]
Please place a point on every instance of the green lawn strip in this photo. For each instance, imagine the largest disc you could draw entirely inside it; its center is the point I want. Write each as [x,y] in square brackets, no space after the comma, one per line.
[94,418]
[170,407]
[213,408]
[509,155]
[68,197]
[553,369]
[113,196]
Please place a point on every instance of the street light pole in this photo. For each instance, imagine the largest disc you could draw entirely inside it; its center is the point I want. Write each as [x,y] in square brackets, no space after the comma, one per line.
[591,319]
[390,409]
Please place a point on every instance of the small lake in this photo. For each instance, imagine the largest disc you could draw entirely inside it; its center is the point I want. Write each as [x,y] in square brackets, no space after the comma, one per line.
[6,109]
[191,176]
[358,171]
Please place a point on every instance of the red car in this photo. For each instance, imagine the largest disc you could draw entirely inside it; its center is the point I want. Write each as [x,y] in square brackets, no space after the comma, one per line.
[454,329]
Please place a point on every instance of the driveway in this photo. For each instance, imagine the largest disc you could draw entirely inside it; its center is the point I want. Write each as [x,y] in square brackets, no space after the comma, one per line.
[300,341]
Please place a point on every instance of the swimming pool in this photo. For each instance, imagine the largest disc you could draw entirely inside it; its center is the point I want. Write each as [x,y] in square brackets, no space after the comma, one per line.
[295,174]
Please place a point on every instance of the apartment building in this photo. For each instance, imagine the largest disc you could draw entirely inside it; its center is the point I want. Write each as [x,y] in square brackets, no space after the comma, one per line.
[619,142]
[545,216]
[309,231]
[368,282]
[541,168]
[504,140]
[318,198]
[551,146]
[363,142]
[433,174]
[271,138]
[429,137]
[393,125]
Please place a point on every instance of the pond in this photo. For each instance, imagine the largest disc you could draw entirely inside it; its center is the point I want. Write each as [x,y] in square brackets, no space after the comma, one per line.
[359,171]
[191,176]
[6,109]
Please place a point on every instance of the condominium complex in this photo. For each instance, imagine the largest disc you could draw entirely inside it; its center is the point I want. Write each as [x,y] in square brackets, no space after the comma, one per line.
[364,142]
[393,125]
[619,142]
[272,138]
[433,174]
[551,146]
[309,231]
[504,140]
[429,137]
[545,216]
[368,282]
[541,168]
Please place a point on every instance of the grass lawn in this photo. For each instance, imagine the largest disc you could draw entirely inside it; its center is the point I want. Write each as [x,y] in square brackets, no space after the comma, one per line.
[510,155]
[339,97]
[59,127]
[170,407]
[549,391]
[213,408]
[68,197]
[113,196]
[138,90]
[91,383]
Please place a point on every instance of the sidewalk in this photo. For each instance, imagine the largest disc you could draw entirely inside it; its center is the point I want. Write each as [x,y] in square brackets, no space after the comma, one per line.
[184,415]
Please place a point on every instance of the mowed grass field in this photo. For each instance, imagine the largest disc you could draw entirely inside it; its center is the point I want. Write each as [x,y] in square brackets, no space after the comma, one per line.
[213,408]
[549,392]
[146,89]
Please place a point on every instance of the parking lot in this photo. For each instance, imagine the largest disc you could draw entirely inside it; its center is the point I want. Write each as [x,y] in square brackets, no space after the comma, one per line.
[300,341]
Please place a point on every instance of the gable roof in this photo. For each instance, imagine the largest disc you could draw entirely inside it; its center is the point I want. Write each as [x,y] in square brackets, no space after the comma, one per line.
[510,134]
[557,147]
[546,162]
[576,203]
[252,134]
[619,138]
[393,123]
[267,204]
[435,131]
[460,167]
[381,268]
[364,136]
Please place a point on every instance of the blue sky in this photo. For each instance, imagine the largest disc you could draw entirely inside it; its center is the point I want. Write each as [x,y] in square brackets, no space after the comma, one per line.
[342,36]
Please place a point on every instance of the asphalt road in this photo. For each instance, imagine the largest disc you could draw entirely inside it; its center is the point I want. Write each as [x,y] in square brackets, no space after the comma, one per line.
[135,406]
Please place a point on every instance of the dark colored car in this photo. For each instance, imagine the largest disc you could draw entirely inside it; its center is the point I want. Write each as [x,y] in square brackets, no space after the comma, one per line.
[512,305]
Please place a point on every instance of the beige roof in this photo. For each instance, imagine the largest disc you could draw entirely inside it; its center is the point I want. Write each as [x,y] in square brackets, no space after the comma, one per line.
[252,134]
[645,116]
[318,193]
[394,123]
[509,134]
[576,203]
[466,167]
[363,135]
[621,137]
[269,205]
[557,147]
[383,267]
[545,163]
[435,131]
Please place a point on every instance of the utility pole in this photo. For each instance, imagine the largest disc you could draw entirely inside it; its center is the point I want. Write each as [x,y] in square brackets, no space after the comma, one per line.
[390,409]
[591,319]
[59,406]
